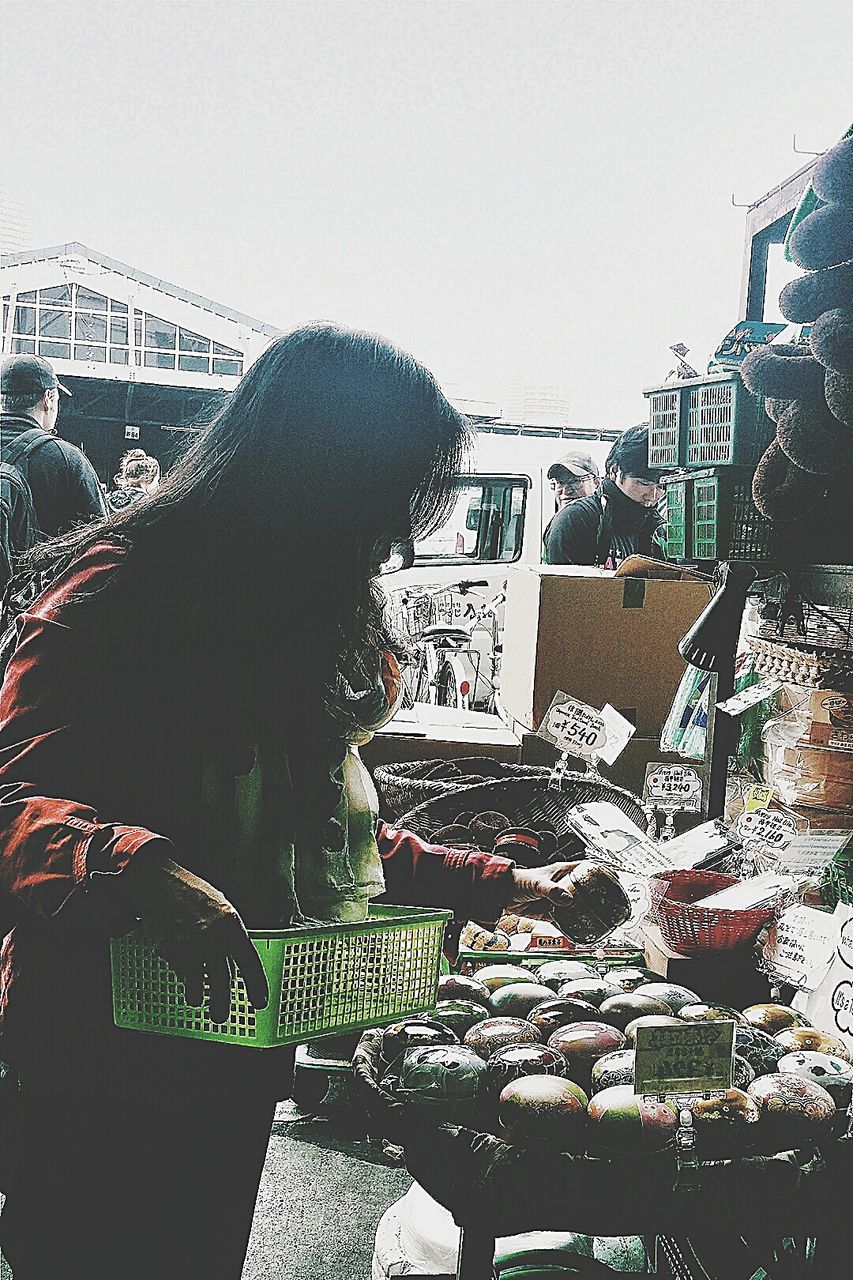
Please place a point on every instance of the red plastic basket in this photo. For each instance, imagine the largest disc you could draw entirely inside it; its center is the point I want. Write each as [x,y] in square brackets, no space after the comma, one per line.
[691,929]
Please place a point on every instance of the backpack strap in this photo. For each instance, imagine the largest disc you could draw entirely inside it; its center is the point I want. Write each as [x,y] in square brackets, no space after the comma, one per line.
[24,445]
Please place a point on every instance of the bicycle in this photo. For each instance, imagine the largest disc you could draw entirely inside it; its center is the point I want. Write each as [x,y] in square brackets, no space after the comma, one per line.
[447,664]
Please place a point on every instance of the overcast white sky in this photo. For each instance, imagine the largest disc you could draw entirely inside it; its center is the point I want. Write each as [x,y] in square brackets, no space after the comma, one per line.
[512,190]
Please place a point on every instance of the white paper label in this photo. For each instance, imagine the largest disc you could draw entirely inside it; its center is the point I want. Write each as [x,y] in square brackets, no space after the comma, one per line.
[756,891]
[798,948]
[767,827]
[810,852]
[615,840]
[830,1005]
[759,692]
[674,786]
[694,846]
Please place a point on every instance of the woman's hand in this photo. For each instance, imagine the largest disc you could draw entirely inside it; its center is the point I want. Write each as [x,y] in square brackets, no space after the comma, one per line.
[197,930]
[537,889]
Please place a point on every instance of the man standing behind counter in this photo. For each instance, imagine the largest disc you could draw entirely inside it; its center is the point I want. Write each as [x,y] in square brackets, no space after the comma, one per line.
[620,519]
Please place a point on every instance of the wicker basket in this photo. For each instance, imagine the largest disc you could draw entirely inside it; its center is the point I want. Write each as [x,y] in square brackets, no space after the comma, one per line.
[527,802]
[691,929]
[403,786]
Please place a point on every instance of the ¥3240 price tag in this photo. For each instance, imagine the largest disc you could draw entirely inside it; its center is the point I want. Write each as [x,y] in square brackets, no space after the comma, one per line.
[675,786]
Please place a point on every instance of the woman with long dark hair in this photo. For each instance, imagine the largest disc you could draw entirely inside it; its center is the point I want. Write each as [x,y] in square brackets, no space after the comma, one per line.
[238,600]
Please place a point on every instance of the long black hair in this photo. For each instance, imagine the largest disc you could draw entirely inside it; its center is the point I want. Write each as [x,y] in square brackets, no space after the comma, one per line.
[334,443]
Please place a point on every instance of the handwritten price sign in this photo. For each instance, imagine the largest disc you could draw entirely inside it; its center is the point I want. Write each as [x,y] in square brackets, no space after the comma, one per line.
[767,827]
[577,728]
[689,1059]
[581,730]
[673,786]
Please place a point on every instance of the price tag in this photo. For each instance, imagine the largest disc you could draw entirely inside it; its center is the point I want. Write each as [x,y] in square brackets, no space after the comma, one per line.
[580,730]
[760,692]
[798,947]
[694,1058]
[674,786]
[767,827]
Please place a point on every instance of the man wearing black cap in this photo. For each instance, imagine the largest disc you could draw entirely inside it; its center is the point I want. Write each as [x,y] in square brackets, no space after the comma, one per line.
[620,519]
[63,484]
[573,476]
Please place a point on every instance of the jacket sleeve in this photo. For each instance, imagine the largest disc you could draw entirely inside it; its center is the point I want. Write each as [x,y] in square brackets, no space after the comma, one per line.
[571,536]
[57,853]
[474,886]
[84,499]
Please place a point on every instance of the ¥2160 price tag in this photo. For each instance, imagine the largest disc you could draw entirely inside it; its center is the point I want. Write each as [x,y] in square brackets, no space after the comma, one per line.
[768,827]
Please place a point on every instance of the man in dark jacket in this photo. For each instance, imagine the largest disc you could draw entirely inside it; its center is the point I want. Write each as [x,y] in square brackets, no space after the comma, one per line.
[571,477]
[64,486]
[620,519]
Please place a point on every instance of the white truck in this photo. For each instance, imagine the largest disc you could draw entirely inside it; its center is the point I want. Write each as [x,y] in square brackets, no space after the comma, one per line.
[448,602]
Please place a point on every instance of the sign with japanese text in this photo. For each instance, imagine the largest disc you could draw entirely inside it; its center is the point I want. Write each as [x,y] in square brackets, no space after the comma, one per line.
[675,786]
[695,1058]
[581,730]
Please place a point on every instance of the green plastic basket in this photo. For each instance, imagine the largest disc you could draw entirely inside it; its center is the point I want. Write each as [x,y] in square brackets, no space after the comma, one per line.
[324,980]
[726,424]
[678,493]
[726,524]
[665,427]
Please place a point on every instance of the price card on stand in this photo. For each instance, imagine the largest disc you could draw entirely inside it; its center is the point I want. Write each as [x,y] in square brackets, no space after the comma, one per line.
[581,730]
[675,786]
[768,828]
[674,1061]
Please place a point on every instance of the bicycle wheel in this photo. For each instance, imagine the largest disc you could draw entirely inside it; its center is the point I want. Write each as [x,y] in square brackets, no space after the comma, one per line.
[453,689]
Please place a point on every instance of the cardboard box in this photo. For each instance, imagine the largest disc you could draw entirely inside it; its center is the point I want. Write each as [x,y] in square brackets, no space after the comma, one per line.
[597,637]
[810,776]
[828,715]
[441,733]
[729,977]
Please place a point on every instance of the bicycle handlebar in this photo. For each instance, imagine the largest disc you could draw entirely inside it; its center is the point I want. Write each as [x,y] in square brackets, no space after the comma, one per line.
[467,586]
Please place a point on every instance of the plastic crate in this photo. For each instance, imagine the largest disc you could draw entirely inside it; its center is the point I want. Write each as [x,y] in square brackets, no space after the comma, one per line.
[324,980]
[725,522]
[678,495]
[726,424]
[665,427]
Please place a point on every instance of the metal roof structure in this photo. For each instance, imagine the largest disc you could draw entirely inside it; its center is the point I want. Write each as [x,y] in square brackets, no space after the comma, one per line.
[73,249]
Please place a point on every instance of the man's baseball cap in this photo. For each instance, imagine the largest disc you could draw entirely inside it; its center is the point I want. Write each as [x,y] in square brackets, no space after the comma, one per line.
[24,375]
[575,465]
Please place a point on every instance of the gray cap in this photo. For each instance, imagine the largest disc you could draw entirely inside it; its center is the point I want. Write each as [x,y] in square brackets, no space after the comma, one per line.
[24,375]
[575,464]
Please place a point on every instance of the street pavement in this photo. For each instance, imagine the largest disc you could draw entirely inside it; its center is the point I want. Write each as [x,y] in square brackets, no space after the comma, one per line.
[324,1188]
[323,1191]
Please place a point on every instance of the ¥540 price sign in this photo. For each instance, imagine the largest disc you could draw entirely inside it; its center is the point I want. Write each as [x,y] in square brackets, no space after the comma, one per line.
[577,728]
[581,730]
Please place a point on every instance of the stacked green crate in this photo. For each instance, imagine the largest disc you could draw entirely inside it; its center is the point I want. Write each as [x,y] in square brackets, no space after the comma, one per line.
[707,435]
[726,524]
[678,487]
